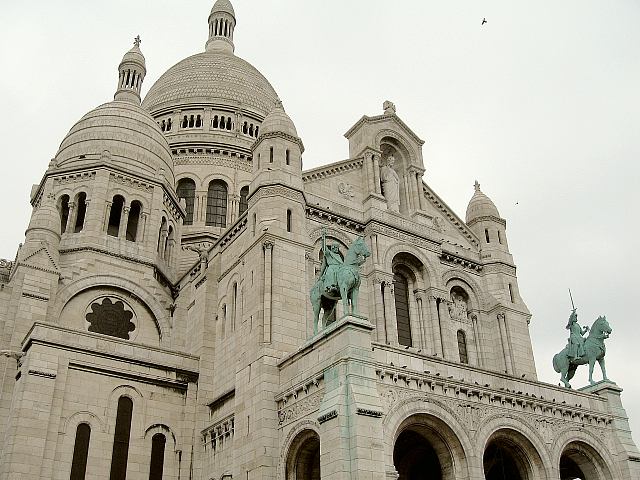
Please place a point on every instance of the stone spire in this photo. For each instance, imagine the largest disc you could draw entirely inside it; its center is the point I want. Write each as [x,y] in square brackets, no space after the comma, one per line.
[222,22]
[131,73]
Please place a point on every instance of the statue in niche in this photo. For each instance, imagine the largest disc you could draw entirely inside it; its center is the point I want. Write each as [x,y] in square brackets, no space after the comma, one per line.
[390,185]
[458,309]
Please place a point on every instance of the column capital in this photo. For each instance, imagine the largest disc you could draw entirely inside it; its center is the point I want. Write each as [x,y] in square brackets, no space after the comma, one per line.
[267,245]
[501,316]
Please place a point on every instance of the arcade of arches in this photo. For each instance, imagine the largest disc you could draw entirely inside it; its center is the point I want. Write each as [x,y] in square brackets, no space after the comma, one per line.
[426,448]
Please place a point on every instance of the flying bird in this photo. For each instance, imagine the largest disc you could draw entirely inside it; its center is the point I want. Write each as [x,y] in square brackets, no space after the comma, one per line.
[484,20]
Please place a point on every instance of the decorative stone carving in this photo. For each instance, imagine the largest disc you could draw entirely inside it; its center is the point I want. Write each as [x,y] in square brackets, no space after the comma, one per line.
[299,409]
[110,317]
[346,190]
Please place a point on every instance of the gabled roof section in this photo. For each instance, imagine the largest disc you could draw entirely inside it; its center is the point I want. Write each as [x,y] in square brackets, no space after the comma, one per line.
[331,169]
[383,119]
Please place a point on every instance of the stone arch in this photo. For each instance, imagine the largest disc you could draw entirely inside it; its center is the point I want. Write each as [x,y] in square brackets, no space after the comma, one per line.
[399,139]
[523,442]
[404,247]
[316,235]
[454,435]
[588,451]
[170,467]
[85,416]
[219,176]
[454,278]
[159,314]
[298,428]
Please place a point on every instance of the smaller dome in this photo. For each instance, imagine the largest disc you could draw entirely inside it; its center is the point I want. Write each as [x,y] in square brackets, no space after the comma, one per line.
[120,133]
[134,55]
[278,121]
[223,6]
[480,206]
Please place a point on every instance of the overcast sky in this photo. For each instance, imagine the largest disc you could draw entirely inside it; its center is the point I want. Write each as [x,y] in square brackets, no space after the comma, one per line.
[540,105]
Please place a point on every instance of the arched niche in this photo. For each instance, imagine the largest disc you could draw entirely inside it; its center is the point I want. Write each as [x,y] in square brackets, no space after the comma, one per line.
[393,147]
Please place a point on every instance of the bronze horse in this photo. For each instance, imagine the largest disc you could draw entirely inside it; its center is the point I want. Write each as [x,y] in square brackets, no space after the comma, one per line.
[594,350]
[348,277]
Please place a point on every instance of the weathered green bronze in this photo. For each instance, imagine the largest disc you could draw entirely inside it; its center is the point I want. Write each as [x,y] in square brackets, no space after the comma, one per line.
[339,280]
[580,351]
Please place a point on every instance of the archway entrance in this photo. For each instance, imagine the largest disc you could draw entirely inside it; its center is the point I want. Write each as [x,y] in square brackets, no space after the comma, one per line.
[303,461]
[415,458]
[509,455]
[579,461]
[500,463]
[426,448]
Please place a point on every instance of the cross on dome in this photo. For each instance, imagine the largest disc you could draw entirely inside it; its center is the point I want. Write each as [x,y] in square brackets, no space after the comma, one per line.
[476,186]
[137,41]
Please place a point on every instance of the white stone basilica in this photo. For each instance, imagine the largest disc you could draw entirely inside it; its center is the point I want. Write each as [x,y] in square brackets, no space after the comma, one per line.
[156,321]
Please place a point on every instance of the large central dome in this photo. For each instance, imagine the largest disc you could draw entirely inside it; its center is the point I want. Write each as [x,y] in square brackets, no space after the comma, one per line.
[215,77]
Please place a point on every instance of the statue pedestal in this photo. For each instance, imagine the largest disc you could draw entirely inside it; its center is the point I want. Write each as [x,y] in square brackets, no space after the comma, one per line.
[627,451]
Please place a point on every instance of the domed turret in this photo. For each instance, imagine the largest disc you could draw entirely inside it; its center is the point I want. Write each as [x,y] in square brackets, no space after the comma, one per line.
[278,121]
[132,71]
[480,206]
[222,22]
[485,221]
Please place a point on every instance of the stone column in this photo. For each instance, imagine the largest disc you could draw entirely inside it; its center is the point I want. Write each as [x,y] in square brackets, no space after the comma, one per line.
[267,246]
[309,267]
[423,314]
[413,189]
[142,222]
[379,311]
[390,313]
[437,327]
[107,212]
[376,172]
[124,216]
[87,204]
[422,201]
[368,164]
[417,337]
[506,348]
[71,218]
[476,336]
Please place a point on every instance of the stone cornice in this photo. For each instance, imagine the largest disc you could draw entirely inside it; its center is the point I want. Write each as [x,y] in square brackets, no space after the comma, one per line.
[448,212]
[488,218]
[382,119]
[454,259]
[331,217]
[332,169]
[276,134]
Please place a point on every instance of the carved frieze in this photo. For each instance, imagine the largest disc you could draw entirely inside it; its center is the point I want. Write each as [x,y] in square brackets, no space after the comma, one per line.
[74,178]
[291,412]
[131,182]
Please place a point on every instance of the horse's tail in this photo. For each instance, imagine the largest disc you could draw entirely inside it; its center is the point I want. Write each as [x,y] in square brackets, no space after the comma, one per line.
[556,362]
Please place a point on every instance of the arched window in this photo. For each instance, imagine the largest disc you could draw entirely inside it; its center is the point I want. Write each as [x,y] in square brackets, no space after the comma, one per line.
[256,131]
[168,125]
[499,237]
[244,193]
[253,225]
[80,452]
[64,212]
[270,154]
[133,221]
[462,347]
[288,220]
[214,122]
[251,129]
[222,122]
[287,157]
[198,121]
[120,452]
[185,122]
[156,469]
[163,127]
[81,211]
[245,129]
[486,235]
[191,121]
[115,215]
[187,190]
[401,294]
[229,124]
[217,204]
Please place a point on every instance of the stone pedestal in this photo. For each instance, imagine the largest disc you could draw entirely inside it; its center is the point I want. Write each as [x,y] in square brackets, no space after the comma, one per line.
[350,414]
[628,456]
